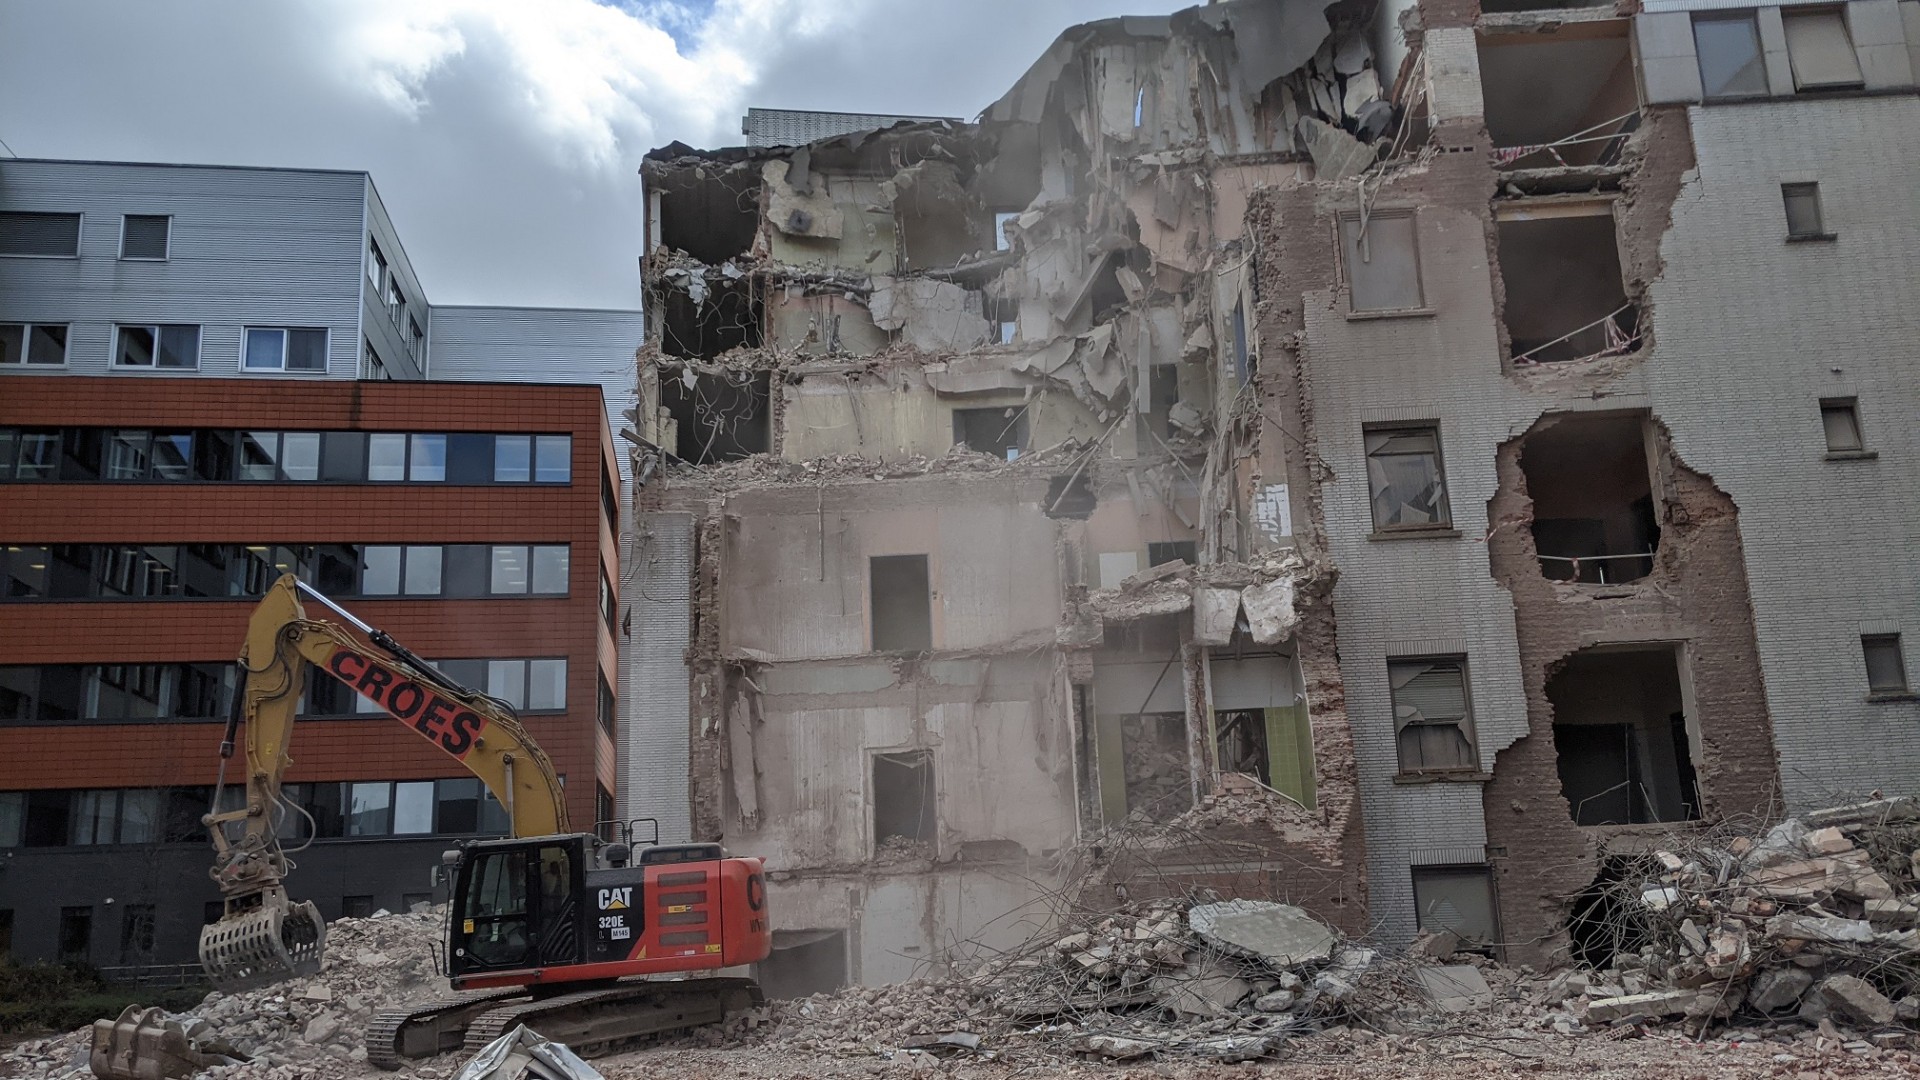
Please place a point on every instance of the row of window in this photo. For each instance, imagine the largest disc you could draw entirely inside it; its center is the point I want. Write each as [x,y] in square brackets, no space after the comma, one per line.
[118,693]
[170,346]
[1820,52]
[102,816]
[146,237]
[141,455]
[180,571]
[386,286]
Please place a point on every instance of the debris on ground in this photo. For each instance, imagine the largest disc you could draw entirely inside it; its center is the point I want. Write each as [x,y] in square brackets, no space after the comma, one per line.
[309,1028]
[522,1054]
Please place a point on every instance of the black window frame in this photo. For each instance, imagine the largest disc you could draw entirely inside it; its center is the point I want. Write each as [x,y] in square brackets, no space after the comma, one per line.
[261,455]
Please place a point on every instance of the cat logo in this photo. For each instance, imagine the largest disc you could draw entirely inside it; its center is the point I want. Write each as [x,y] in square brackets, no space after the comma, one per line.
[616,899]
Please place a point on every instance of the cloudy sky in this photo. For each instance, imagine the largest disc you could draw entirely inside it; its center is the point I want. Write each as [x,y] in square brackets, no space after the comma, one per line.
[504,135]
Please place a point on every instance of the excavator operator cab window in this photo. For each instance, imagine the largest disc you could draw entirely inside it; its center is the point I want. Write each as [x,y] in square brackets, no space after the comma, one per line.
[494,920]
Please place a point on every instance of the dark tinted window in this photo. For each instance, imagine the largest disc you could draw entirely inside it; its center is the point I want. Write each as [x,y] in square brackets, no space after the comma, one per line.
[467,570]
[469,459]
[344,456]
[23,233]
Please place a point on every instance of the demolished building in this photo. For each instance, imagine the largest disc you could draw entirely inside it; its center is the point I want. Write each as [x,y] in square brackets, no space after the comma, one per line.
[1281,431]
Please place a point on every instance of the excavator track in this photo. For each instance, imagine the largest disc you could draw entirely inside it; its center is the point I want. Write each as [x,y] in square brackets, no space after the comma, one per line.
[431,1027]
[596,1022]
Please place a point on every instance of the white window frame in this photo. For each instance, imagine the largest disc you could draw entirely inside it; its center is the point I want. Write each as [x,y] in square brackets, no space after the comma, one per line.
[124,257]
[285,332]
[26,347]
[79,236]
[113,347]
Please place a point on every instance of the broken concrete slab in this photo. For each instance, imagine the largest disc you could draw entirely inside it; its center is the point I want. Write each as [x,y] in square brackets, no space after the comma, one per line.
[1778,988]
[1817,928]
[1214,613]
[1827,841]
[1455,987]
[1204,992]
[1278,934]
[1336,154]
[1855,999]
[1692,1003]
[1271,616]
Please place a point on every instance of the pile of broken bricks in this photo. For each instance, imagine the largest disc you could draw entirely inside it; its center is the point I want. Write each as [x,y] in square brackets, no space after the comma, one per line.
[1815,920]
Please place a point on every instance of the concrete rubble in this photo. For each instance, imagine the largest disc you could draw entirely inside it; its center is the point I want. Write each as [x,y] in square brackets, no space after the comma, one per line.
[307,1029]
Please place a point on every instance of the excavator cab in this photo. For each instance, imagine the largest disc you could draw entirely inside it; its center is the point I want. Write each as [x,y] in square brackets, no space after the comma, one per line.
[543,910]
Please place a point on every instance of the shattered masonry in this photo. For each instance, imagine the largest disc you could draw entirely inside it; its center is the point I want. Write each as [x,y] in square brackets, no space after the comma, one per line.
[1030,465]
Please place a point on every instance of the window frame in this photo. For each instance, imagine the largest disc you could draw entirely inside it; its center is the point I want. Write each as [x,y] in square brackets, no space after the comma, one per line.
[1790,15]
[1444,523]
[1805,189]
[1748,16]
[165,256]
[158,330]
[79,233]
[1466,725]
[1412,216]
[1850,406]
[286,349]
[1896,647]
[26,361]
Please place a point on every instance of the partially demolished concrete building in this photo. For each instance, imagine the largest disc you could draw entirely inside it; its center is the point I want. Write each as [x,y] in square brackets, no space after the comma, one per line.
[1362,454]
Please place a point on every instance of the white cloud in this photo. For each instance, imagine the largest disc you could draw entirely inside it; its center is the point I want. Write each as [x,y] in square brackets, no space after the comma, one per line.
[504,135]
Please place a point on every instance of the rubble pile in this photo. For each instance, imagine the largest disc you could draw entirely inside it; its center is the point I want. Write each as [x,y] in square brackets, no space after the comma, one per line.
[307,1028]
[1226,981]
[1817,919]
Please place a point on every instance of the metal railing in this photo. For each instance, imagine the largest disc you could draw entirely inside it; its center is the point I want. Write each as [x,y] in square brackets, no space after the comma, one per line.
[1598,564]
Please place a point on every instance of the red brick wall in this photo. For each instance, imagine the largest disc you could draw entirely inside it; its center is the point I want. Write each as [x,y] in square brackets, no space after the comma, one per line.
[137,755]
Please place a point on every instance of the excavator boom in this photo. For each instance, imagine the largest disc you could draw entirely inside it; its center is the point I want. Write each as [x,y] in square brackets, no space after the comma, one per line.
[262,936]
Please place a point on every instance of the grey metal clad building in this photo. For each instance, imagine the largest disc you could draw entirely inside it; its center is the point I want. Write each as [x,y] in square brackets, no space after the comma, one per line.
[797,127]
[158,270]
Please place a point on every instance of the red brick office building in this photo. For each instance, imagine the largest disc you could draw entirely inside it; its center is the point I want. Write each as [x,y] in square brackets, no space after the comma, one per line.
[475,522]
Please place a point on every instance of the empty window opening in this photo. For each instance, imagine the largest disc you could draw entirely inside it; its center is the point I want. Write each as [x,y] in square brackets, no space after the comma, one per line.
[717,417]
[704,322]
[1240,740]
[1163,393]
[136,934]
[1803,212]
[1565,298]
[1559,99]
[902,604]
[1167,551]
[1382,261]
[1538,5]
[1592,491]
[1243,362]
[903,802]
[1457,898]
[1154,749]
[1070,495]
[1003,320]
[804,963]
[1728,46]
[710,216]
[1886,666]
[1840,417]
[76,935]
[1406,485]
[1820,51]
[1621,736]
[1432,720]
[1608,918]
[1001,431]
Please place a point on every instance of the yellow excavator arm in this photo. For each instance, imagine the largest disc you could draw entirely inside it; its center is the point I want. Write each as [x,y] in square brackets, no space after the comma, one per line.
[262,936]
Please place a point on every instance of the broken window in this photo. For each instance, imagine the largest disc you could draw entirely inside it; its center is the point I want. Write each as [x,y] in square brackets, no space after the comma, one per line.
[903,800]
[1592,491]
[1382,261]
[702,319]
[1886,667]
[1621,736]
[1172,551]
[1002,241]
[1728,46]
[1841,419]
[1565,296]
[1242,361]
[1070,495]
[1403,475]
[803,963]
[1003,320]
[902,603]
[1456,898]
[719,416]
[1432,722]
[1559,98]
[1001,432]
[934,217]
[1803,211]
[1819,50]
[1155,749]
